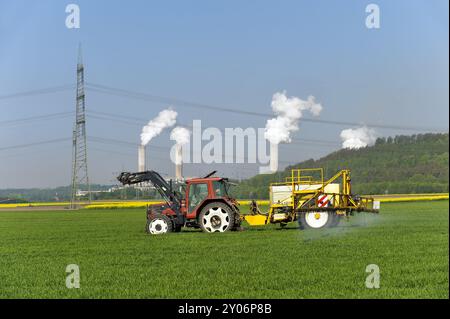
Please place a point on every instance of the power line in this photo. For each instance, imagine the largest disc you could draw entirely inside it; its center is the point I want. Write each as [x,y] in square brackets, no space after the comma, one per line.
[38,92]
[26,154]
[125,154]
[170,100]
[53,116]
[124,119]
[165,159]
[161,148]
[179,102]
[166,100]
[117,142]
[110,141]
[111,152]
[97,117]
[319,143]
[104,140]
[36,143]
[136,121]
[121,116]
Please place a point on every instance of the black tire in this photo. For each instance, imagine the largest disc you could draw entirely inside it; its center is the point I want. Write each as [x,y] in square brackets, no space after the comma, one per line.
[306,220]
[159,224]
[216,217]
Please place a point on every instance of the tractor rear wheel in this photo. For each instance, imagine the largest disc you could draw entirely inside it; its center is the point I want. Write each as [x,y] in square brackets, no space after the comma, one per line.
[216,217]
[159,224]
[316,220]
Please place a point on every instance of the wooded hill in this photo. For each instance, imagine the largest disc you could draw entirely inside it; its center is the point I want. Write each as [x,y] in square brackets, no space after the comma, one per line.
[394,165]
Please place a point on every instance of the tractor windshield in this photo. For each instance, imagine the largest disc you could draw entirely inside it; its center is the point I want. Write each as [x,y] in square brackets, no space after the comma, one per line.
[220,188]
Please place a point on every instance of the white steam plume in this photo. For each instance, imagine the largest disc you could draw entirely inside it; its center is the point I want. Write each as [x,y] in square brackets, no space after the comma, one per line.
[180,135]
[288,110]
[358,138]
[166,118]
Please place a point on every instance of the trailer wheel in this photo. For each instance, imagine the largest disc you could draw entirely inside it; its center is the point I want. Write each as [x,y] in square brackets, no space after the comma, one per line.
[216,217]
[315,220]
[159,224]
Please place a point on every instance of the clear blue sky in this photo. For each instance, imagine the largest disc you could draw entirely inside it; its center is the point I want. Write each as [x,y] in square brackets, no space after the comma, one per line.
[234,54]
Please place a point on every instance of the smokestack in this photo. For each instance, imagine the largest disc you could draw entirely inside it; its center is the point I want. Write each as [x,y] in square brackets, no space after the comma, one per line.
[288,111]
[181,136]
[178,161]
[273,157]
[141,158]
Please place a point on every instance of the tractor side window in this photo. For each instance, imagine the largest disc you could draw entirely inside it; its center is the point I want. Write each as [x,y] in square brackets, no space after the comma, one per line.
[219,189]
[197,193]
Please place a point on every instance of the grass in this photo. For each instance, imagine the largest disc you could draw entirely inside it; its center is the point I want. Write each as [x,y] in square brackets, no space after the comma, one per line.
[408,241]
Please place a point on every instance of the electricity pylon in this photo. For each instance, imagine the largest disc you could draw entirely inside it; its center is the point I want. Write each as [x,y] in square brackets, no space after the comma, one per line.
[80,176]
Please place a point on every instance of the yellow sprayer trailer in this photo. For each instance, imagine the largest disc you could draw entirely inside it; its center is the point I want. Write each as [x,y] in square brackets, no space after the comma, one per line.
[316,203]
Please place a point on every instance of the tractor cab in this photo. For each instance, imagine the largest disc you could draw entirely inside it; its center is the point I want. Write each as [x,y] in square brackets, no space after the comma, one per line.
[200,191]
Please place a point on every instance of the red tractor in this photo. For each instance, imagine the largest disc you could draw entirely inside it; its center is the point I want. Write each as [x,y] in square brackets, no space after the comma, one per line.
[203,203]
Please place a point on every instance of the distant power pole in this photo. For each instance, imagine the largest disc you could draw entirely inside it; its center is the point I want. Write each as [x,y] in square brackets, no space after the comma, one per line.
[79,152]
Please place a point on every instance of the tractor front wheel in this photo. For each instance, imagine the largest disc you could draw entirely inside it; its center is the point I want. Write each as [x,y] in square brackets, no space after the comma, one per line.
[216,217]
[159,224]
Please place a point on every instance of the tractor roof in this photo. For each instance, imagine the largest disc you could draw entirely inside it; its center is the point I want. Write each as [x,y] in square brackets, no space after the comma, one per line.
[200,179]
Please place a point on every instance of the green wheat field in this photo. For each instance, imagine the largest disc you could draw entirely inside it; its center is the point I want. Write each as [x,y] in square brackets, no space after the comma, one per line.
[117,259]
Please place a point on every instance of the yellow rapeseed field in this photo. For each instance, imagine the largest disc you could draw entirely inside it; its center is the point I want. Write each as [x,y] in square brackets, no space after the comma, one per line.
[141,204]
